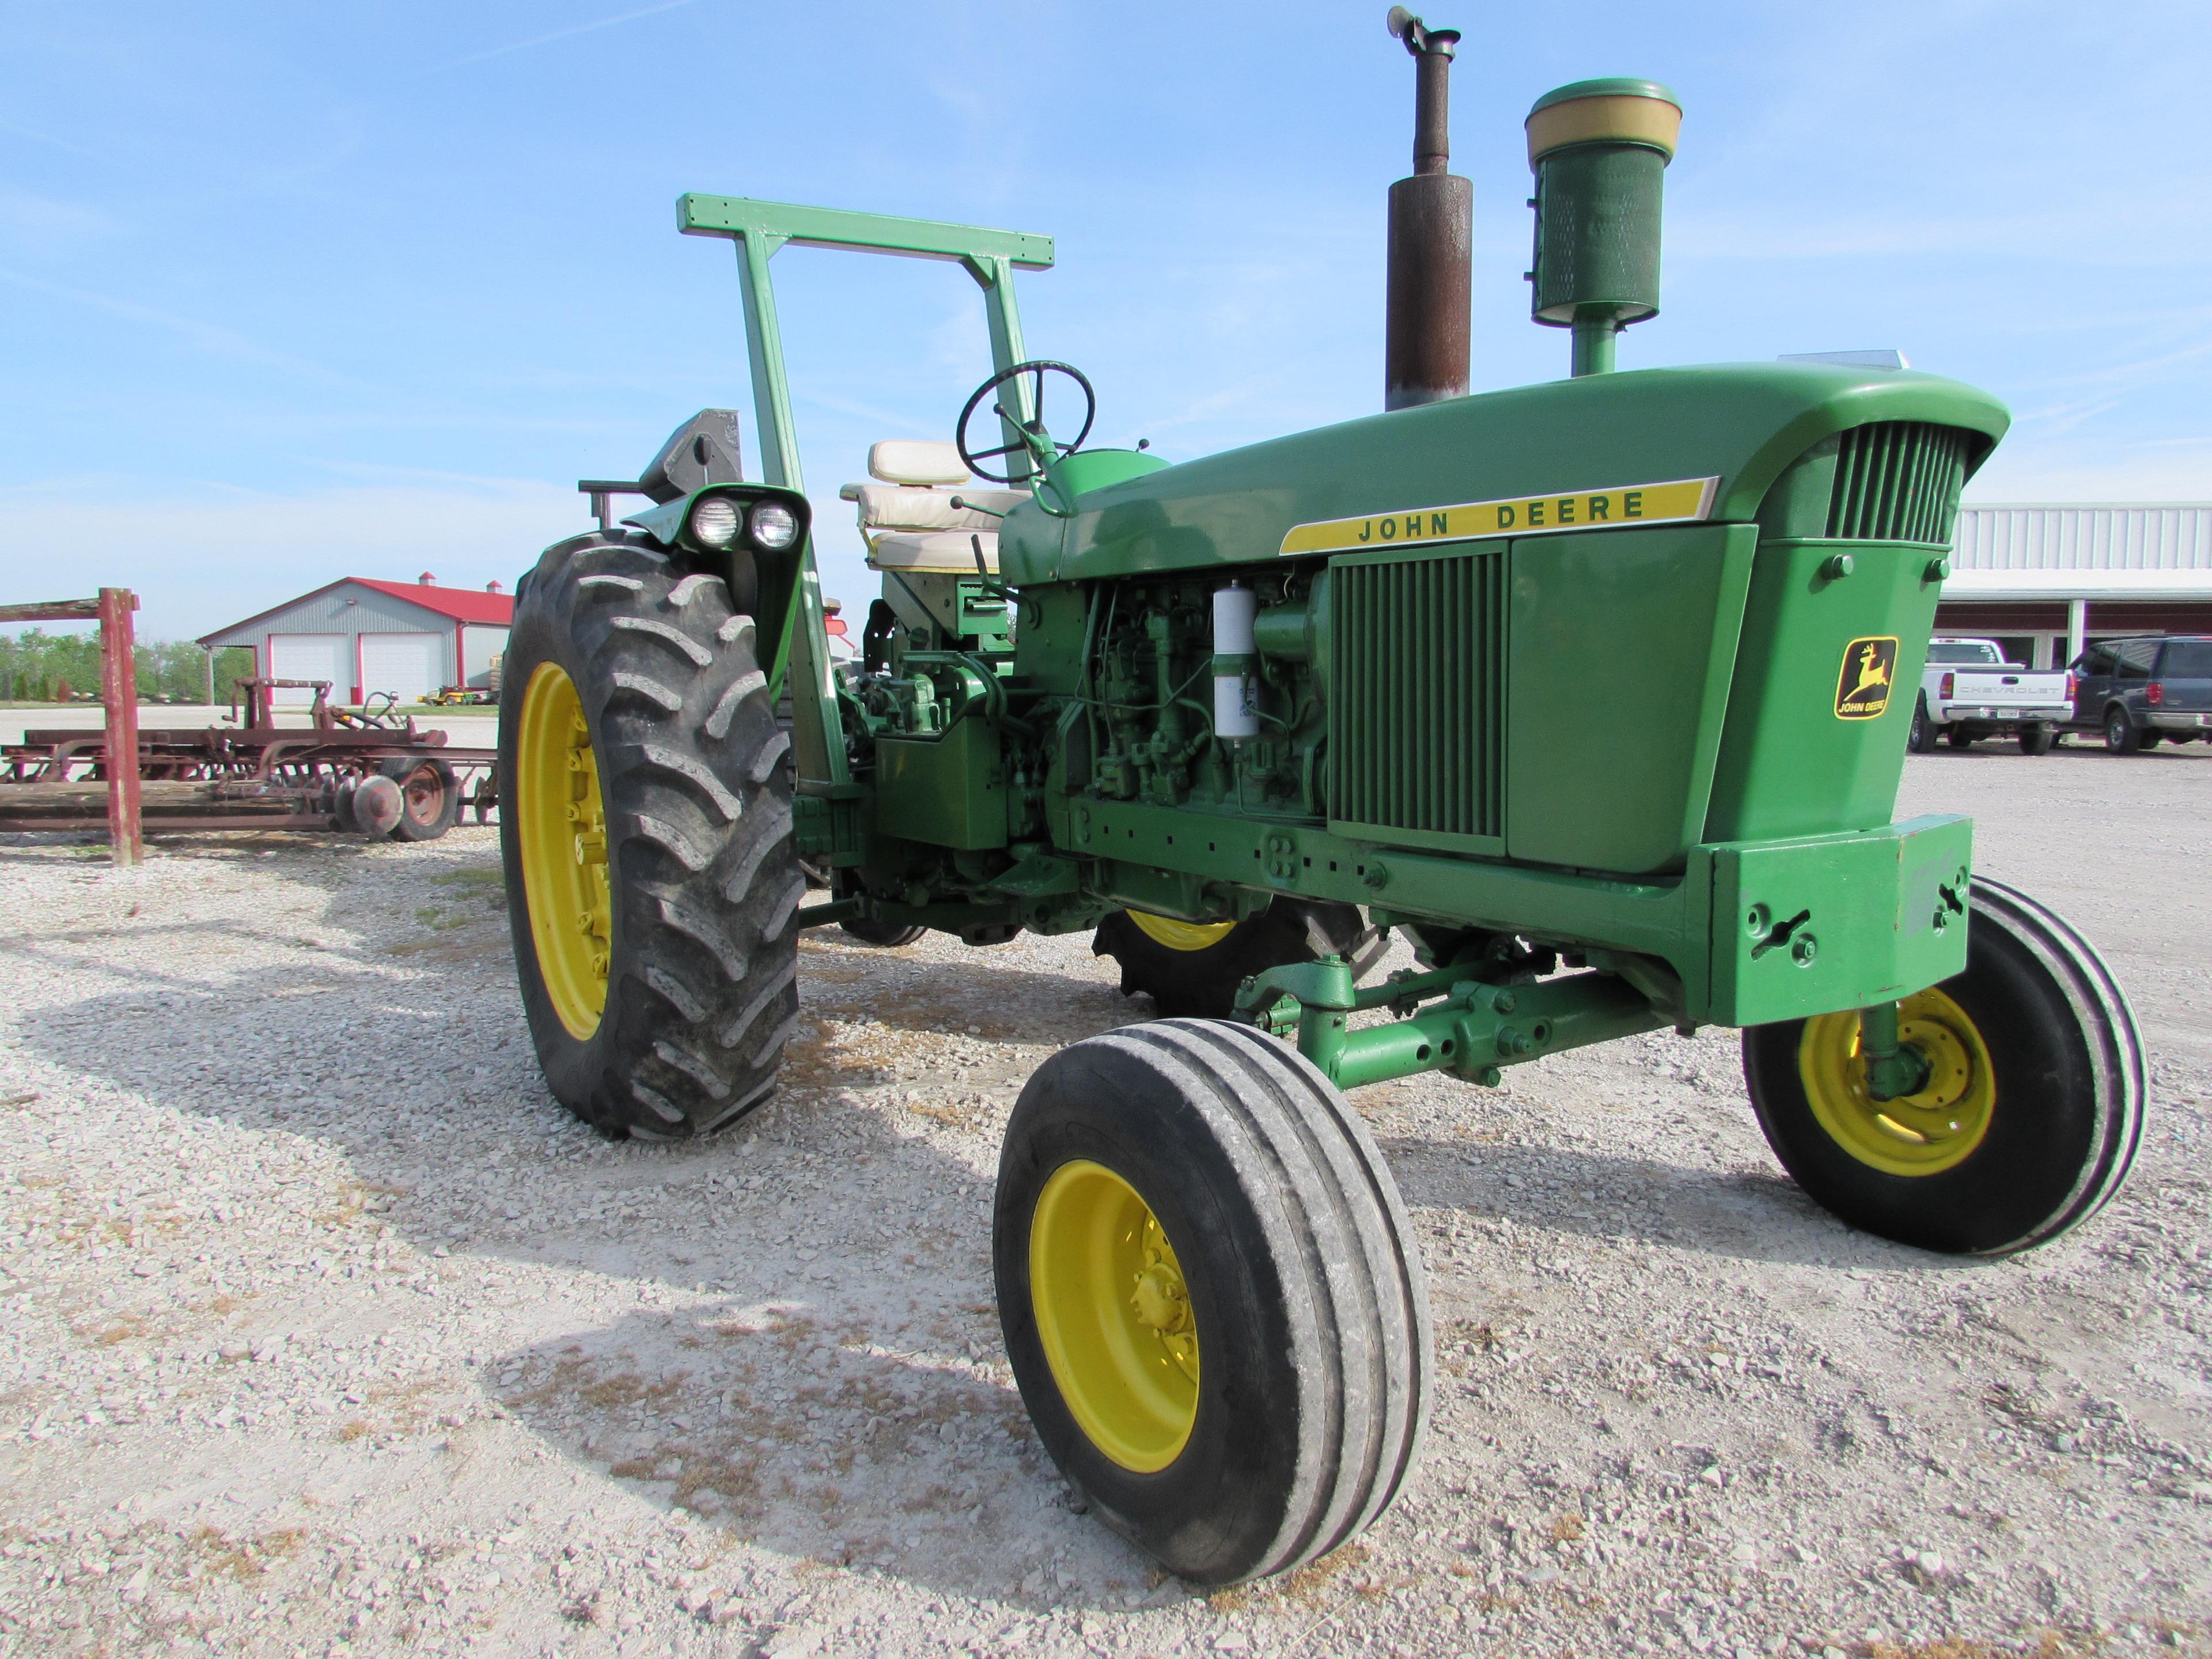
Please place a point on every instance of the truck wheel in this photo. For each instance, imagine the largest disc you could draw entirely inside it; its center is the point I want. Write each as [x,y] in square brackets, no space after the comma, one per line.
[2027,1124]
[2035,739]
[1211,1296]
[1921,739]
[1959,736]
[431,797]
[2121,737]
[1192,970]
[881,934]
[645,822]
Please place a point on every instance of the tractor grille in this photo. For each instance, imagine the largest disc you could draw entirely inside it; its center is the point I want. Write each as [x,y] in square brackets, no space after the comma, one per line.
[1898,480]
[1417,695]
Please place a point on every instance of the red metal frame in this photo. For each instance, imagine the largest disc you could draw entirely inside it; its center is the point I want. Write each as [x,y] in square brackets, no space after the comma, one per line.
[117,743]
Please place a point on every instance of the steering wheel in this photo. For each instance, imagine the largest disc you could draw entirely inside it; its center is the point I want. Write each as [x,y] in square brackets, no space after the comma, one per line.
[1038,443]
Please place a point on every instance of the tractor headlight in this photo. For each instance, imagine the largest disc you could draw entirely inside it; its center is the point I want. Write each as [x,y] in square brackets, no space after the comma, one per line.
[775,527]
[714,522]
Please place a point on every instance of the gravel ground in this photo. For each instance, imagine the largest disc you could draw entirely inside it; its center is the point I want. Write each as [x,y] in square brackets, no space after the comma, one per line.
[327,1332]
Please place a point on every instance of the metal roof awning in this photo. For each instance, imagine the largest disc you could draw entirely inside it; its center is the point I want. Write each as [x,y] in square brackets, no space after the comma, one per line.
[2131,587]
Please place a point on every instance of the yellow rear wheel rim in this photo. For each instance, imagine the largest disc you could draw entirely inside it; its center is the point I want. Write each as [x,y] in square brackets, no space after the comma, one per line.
[1181,935]
[1114,1317]
[1918,1135]
[562,828]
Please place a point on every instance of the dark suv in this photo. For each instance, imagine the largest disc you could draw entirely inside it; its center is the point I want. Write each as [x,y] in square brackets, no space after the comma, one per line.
[2142,692]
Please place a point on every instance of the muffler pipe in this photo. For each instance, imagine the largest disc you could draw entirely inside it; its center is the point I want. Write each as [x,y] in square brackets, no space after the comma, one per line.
[1426,352]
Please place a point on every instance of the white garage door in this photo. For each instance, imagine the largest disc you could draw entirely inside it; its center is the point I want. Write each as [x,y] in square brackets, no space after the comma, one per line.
[405,665]
[310,657]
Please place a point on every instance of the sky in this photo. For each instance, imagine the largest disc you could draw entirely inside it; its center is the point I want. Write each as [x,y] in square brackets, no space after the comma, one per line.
[289,293]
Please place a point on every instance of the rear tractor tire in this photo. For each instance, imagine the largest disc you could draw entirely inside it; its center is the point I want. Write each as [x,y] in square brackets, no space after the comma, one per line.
[1192,970]
[1212,1297]
[645,822]
[2030,1117]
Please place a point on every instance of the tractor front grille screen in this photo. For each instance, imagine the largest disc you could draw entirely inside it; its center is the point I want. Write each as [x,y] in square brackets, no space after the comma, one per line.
[1898,480]
[1417,698]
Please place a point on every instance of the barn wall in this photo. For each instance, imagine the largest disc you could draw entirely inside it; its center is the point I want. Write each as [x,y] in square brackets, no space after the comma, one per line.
[351,611]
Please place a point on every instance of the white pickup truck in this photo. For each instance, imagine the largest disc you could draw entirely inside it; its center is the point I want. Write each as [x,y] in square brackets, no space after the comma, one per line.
[1969,690]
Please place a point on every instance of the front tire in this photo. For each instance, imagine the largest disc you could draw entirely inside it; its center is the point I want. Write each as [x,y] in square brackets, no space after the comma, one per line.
[2027,1124]
[1211,1296]
[645,824]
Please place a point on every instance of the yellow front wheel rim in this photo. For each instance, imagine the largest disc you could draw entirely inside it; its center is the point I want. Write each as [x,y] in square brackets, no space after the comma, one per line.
[1918,1135]
[1181,935]
[562,828]
[1114,1317]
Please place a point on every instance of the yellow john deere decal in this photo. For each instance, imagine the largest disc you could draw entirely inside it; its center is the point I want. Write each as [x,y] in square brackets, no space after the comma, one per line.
[1671,502]
[1863,688]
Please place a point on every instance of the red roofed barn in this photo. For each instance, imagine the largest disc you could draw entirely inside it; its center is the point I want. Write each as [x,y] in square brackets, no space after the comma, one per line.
[366,636]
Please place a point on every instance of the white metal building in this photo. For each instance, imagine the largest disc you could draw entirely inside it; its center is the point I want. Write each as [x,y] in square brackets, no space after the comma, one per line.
[2045,579]
[366,636]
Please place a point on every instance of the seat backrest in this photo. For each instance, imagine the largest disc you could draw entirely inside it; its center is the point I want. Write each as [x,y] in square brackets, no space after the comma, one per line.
[916,461]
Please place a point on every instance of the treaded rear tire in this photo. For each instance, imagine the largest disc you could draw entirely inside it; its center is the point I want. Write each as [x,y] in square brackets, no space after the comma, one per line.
[1202,984]
[1304,1281]
[2071,1095]
[702,989]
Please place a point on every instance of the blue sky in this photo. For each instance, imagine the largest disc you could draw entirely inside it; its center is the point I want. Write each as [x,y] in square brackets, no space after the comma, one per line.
[292,292]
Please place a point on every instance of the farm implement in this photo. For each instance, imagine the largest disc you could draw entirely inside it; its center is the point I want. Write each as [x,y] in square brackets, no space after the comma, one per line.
[1586,689]
[361,772]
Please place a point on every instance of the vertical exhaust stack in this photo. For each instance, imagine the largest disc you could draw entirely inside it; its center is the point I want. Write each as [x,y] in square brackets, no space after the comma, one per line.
[1600,150]
[1431,238]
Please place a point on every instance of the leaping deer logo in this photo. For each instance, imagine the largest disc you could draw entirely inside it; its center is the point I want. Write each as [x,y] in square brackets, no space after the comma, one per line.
[1873,671]
[1864,687]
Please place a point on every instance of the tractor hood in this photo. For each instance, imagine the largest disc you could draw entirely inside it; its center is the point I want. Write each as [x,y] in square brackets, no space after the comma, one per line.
[1731,429]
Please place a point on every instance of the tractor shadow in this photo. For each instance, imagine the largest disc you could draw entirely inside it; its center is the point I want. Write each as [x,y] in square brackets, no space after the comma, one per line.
[1604,1198]
[783,1426]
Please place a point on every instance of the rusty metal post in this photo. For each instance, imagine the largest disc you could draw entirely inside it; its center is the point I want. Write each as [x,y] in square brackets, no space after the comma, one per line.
[119,690]
[1426,353]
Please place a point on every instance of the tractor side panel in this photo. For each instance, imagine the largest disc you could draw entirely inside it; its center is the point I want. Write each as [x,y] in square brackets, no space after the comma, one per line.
[1823,689]
[949,791]
[1621,643]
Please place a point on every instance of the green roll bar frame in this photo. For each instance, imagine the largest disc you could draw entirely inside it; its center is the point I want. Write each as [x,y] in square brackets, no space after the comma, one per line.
[760,229]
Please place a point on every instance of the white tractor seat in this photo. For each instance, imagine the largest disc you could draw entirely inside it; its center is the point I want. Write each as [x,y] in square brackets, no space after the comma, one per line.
[938,552]
[901,506]
[909,520]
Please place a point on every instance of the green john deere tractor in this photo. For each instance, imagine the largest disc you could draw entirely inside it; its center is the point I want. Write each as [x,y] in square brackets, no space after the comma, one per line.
[1587,690]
